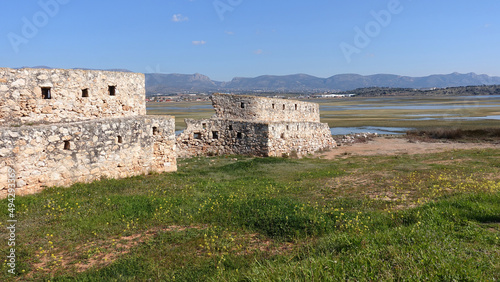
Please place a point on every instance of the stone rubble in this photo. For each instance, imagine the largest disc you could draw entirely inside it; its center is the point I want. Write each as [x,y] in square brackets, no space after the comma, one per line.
[350,139]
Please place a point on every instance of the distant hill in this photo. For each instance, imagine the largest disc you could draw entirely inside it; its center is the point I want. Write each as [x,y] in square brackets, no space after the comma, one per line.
[174,83]
[303,83]
[448,91]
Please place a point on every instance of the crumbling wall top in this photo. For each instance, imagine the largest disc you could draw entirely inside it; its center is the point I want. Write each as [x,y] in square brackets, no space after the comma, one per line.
[260,109]
[56,95]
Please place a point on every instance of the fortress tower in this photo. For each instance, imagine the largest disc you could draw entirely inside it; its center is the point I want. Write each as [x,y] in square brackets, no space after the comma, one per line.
[58,127]
[251,125]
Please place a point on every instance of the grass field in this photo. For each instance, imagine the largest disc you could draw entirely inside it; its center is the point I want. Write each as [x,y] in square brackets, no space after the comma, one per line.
[407,217]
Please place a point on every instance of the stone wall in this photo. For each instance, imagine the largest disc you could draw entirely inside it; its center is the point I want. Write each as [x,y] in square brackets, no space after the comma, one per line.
[298,138]
[248,125]
[65,153]
[75,95]
[210,137]
[258,109]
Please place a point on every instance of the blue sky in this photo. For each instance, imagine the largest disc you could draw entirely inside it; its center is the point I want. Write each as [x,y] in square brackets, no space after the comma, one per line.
[229,38]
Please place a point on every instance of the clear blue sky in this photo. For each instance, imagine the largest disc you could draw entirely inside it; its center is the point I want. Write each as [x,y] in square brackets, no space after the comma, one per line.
[254,37]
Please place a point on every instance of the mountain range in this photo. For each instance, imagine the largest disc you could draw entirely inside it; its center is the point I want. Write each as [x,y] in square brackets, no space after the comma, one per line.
[157,83]
[179,83]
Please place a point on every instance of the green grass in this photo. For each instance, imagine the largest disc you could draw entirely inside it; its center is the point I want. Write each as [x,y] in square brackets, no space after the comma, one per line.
[433,216]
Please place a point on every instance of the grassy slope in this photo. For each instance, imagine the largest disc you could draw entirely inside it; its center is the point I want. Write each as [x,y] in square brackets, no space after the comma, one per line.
[433,216]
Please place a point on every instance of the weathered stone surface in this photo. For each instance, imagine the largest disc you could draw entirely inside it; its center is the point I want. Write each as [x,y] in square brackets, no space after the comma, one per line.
[36,166]
[253,126]
[21,100]
[258,109]
[93,126]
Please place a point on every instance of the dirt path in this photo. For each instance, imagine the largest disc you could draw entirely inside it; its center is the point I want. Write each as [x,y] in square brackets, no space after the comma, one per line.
[399,146]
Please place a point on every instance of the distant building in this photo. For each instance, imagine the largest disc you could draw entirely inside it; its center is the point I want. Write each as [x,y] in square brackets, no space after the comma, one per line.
[336,95]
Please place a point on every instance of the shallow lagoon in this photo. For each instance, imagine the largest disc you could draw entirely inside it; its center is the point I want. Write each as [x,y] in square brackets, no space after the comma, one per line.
[384,115]
[358,114]
[370,129]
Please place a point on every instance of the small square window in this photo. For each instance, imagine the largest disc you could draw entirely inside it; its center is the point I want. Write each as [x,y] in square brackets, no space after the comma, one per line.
[46,93]
[67,145]
[156,131]
[242,105]
[197,135]
[215,134]
[119,139]
[204,125]
[230,127]
[239,135]
[112,90]
[85,93]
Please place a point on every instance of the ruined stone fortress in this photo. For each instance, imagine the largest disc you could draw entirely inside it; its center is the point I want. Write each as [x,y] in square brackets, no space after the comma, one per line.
[59,127]
[256,126]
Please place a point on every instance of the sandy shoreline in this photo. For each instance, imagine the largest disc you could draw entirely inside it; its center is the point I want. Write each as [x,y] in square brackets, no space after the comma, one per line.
[399,146]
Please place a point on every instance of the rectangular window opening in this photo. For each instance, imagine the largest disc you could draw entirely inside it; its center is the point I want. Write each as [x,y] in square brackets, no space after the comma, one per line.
[85,93]
[156,131]
[112,90]
[283,107]
[296,107]
[197,135]
[215,134]
[230,127]
[204,125]
[242,105]
[46,93]
[119,139]
[67,145]
[239,135]
[273,106]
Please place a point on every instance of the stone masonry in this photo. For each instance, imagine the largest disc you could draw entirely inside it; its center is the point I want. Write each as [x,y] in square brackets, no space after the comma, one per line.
[257,126]
[58,127]
[34,96]
[256,109]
